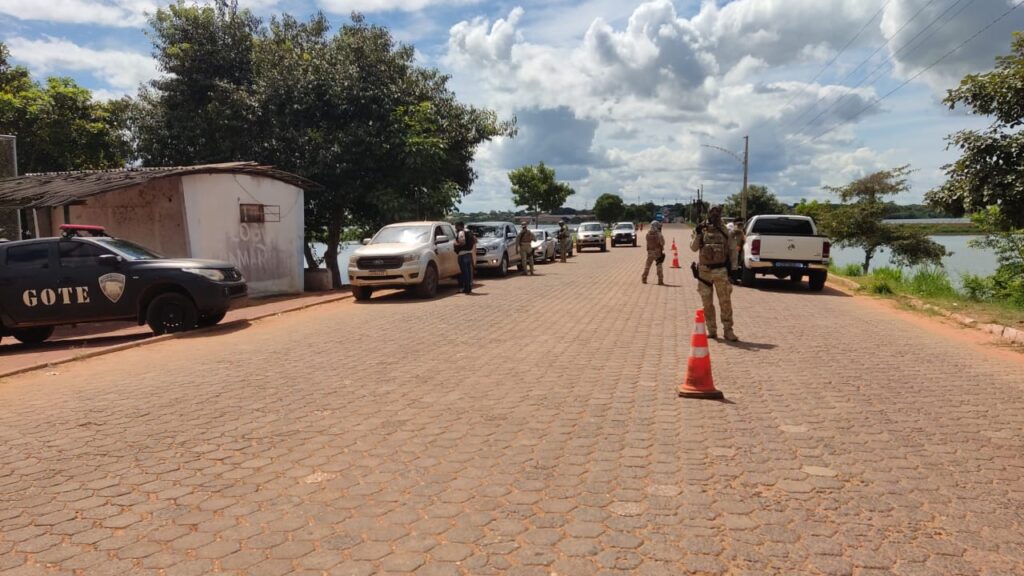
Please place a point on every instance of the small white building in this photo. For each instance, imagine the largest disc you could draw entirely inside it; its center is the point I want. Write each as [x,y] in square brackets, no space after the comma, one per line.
[241,212]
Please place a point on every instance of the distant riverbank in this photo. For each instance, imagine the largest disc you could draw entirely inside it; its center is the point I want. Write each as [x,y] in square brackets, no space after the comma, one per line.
[940,226]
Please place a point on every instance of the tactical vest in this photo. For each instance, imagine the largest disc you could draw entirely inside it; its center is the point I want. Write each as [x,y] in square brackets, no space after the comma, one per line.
[713,247]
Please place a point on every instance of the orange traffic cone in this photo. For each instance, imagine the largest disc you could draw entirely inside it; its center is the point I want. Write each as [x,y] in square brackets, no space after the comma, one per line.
[699,383]
[675,258]
[674,249]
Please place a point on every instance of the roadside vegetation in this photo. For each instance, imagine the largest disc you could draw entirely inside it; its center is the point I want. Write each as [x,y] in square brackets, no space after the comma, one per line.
[932,285]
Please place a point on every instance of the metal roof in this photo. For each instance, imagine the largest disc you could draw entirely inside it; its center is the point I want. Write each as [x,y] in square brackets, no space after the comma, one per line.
[53,189]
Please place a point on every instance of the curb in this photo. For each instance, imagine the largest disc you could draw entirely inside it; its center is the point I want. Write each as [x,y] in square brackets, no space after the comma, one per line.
[1005,333]
[157,339]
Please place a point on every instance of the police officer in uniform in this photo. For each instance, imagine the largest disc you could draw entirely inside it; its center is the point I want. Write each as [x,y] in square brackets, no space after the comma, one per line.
[655,253]
[564,239]
[714,246]
[525,241]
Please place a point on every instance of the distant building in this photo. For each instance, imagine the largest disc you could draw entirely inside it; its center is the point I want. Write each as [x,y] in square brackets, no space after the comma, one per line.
[242,212]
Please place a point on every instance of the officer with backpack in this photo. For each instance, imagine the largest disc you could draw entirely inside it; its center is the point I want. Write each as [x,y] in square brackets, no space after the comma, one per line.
[714,246]
[465,247]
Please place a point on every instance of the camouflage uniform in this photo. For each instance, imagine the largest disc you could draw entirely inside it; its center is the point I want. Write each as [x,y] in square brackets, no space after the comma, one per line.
[525,240]
[655,253]
[715,248]
[564,239]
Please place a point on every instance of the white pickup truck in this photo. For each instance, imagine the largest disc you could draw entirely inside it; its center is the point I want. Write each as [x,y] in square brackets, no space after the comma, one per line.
[786,247]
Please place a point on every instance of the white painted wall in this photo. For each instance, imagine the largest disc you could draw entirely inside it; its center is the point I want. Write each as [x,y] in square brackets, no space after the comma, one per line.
[269,254]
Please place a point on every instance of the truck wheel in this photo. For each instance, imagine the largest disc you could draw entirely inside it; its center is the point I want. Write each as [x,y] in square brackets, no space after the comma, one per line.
[362,292]
[171,312]
[817,280]
[747,277]
[503,270]
[207,320]
[32,336]
[428,288]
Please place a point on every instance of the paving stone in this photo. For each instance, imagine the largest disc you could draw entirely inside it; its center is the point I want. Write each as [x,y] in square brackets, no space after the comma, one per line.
[399,455]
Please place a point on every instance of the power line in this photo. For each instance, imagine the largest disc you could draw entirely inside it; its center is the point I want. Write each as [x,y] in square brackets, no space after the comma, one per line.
[841,51]
[926,69]
[863,62]
[875,73]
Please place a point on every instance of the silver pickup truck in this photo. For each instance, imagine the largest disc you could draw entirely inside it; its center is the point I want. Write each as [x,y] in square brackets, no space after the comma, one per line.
[785,246]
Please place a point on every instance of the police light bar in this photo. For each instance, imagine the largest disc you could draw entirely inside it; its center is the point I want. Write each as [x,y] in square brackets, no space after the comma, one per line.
[78,229]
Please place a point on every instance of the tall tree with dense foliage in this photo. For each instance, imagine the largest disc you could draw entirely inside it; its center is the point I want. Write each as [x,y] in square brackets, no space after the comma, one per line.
[535,188]
[609,208]
[857,221]
[760,200]
[202,109]
[58,125]
[350,110]
[990,170]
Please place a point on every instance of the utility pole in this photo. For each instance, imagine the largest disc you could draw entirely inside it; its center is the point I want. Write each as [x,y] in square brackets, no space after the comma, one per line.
[746,166]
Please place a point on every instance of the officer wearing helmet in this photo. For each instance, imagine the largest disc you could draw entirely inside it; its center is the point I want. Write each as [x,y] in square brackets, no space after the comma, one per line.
[655,253]
[714,246]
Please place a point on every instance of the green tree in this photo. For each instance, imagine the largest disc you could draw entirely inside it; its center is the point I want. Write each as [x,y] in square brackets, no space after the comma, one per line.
[58,125]
[609,208]
[202,109]
[760,200]
[349,110]
[857,222]
[990,170]
[535,188]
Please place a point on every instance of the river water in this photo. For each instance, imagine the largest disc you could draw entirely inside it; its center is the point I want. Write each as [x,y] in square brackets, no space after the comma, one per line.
[964,260]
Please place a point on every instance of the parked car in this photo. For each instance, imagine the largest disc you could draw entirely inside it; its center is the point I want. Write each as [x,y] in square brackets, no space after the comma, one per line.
[543,245]
[786,247]
[591,235]
[624,233]
[496,247]
[86,276]
[410,255]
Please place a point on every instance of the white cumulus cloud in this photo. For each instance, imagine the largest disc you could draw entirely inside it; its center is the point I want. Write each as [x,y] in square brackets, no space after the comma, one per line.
[114,13]
[122,70]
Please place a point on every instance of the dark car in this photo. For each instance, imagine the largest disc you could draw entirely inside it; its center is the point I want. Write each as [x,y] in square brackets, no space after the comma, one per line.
[87,276]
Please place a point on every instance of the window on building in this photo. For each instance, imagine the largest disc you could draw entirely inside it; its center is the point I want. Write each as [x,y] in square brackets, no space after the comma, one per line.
[252,213]
[259,213]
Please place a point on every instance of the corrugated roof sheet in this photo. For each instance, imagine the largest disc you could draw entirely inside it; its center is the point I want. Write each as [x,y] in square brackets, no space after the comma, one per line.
[61,188]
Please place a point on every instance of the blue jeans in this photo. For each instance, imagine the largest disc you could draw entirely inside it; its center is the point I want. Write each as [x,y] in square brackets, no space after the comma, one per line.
[466,272]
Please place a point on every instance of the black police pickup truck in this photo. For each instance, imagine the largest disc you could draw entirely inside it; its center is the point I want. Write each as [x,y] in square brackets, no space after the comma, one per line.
[87,276]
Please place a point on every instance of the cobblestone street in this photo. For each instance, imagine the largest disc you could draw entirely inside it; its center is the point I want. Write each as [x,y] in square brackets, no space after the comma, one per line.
[532,428]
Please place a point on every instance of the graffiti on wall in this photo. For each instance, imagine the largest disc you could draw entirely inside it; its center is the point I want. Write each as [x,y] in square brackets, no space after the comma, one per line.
[258,259]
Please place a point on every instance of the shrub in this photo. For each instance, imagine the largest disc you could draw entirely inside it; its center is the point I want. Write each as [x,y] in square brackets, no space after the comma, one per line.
[885,280]
[931,282]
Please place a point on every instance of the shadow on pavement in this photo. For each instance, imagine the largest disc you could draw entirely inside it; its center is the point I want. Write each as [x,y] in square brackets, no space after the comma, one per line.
[752,346]
[86,343]
[787,286]
[400,296]
[218,330]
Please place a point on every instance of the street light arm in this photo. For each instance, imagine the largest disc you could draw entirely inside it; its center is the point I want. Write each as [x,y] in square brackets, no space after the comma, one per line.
[726,150]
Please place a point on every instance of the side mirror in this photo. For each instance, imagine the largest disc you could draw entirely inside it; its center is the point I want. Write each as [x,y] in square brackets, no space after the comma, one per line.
[110,260]
[366,241]
[510,236]
[442,239]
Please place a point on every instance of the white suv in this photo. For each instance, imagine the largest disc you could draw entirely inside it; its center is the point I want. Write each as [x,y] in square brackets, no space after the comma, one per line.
[411,255]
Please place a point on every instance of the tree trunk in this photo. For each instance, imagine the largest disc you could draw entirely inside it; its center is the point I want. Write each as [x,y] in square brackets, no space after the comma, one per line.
[868,255]
[331,256]
[311,262]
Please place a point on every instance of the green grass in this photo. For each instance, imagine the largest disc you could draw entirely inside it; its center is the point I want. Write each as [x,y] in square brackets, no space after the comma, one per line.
[931,284]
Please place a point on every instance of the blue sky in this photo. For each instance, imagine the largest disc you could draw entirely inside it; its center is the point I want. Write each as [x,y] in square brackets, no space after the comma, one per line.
[624,96]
